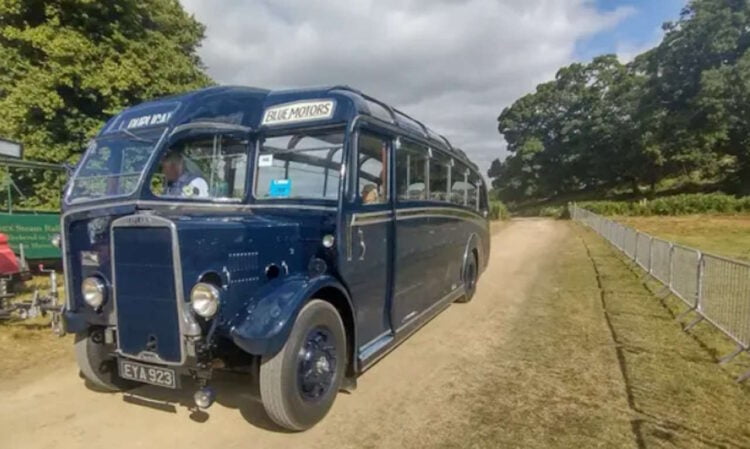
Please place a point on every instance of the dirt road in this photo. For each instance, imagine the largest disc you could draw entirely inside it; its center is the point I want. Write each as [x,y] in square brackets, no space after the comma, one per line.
[403,401]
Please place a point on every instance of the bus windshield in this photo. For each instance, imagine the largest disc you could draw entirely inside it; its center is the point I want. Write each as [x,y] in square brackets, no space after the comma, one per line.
[113,164]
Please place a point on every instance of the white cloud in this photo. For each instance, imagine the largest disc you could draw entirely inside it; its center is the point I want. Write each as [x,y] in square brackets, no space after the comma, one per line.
[451,64]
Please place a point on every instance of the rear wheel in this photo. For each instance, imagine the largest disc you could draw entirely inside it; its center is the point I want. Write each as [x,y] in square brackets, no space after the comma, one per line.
[471,272]
[96,364]
[299,384]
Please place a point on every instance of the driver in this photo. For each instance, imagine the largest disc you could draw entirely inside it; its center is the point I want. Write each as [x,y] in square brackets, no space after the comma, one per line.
[179,181]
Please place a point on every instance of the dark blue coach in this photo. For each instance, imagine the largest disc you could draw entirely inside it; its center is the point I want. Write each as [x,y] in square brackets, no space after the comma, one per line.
[300,234]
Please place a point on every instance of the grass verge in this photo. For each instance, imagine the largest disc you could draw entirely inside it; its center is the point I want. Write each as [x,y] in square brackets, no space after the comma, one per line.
[29,344]
[725,235]
[597,360]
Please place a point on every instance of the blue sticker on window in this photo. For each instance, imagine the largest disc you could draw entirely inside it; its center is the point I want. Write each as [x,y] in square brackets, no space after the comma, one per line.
[280,188]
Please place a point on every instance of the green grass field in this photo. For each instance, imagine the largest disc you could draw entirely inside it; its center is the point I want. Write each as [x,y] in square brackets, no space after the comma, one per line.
[720,234]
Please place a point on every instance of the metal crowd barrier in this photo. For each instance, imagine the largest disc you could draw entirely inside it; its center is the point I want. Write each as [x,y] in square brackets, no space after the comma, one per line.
[716,288]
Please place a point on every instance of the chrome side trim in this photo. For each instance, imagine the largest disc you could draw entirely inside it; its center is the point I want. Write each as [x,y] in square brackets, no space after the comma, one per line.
[190,206]
[420,212]
[376,344]
[143,220]
[368,218]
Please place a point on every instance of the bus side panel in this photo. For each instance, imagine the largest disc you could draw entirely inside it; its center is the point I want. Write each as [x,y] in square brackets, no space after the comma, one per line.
[444,275]
[412,269]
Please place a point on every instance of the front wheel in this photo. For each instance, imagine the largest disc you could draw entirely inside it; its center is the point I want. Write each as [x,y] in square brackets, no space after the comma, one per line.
[96,364]
[299,384]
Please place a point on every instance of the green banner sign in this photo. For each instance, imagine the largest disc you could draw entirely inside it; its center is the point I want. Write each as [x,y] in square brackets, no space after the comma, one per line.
[34,231]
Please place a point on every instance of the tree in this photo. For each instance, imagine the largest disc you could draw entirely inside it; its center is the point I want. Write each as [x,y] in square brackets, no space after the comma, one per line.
[69,65]
[678,110]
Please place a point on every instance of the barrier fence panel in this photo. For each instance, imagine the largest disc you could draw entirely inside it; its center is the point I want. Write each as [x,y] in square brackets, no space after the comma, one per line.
[629,242]
[725,290]
[661,260]
[685,274]
[643,250]
[716,288]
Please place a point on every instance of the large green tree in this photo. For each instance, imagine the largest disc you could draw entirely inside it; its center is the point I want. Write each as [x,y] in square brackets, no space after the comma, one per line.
[69,65]
[678,110]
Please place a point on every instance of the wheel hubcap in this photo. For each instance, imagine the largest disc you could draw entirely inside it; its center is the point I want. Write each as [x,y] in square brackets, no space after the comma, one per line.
[316,364]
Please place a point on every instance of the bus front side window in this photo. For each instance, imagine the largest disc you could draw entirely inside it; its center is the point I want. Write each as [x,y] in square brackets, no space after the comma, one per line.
[207,167]
[373,161]
[305,165]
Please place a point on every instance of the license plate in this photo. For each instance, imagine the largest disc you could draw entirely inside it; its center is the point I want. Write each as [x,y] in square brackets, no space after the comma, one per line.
[149,374]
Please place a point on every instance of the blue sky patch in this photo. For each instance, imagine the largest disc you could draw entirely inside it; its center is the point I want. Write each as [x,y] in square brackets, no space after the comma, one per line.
[636,33]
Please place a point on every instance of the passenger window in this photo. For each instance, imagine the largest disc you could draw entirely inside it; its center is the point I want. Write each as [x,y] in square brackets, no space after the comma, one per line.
[205,167]
[460,181]
[473,191]
[411,171]
[439,166]
[301,165]
[483,197]
[373,172]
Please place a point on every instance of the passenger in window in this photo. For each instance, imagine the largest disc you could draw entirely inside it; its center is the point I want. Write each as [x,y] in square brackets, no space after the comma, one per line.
[180,182]
[370,194]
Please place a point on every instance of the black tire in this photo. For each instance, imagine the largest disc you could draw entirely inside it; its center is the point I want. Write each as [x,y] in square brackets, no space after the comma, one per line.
[470,276]
[286,393]
[97,365]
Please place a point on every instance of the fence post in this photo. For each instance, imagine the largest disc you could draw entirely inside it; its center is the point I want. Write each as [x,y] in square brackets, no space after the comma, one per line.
[699,293]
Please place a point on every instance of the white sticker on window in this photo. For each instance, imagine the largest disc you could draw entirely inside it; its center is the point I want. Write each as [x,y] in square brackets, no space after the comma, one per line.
[265,160]
[298,112]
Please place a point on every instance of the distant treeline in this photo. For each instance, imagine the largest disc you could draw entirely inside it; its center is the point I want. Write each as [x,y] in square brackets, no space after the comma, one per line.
[678,113]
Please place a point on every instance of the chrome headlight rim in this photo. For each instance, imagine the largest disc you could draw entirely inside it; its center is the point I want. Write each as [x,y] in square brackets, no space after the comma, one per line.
[94,291]
[204,299]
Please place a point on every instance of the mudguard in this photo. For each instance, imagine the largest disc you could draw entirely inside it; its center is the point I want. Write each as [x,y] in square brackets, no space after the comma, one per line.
[73,322]
[270,315]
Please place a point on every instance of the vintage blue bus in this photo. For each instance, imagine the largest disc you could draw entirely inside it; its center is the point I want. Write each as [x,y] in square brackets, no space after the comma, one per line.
[298,235]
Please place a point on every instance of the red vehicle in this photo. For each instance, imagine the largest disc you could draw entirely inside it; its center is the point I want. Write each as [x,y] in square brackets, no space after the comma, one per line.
[9,263]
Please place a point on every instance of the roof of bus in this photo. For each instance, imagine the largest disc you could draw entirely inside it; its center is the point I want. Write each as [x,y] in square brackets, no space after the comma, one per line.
[245,106]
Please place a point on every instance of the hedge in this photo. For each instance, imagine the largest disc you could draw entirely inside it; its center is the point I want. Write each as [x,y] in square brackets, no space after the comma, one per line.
[498,211]
[686,204]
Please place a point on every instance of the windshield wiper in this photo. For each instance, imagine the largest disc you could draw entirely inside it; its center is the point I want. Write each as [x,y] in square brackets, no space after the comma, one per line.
[136,137]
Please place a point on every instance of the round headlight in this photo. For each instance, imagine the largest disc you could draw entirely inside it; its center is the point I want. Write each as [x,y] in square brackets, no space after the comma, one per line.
[204,299]
[93,291]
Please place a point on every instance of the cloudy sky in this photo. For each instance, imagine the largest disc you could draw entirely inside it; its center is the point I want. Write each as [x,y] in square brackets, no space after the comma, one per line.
[453,64]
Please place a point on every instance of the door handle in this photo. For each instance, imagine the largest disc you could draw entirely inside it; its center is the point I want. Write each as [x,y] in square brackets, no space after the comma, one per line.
[362,243]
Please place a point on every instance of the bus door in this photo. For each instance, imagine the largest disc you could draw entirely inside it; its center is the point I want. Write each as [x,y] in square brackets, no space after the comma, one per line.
[414,261]
[367,265]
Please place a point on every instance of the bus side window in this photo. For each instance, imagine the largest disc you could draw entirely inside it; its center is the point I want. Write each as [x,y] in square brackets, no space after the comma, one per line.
[439,166]
[473,193]
[460,181]
[373,169]
[483,206]
[411,171]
